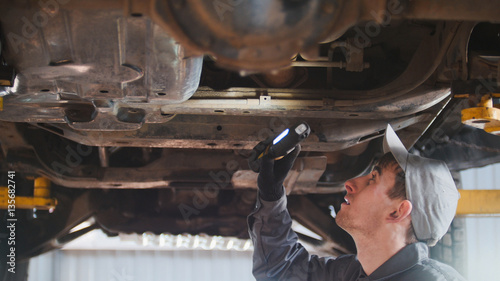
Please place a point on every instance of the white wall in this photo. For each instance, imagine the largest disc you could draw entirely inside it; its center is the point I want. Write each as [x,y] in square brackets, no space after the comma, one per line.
[483,233]
[131,264]
[141,265]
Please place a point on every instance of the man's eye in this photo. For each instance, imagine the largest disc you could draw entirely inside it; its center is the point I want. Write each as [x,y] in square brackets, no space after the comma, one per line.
[372,178]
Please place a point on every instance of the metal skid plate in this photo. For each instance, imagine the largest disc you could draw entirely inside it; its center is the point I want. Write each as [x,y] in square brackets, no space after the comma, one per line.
[74,60]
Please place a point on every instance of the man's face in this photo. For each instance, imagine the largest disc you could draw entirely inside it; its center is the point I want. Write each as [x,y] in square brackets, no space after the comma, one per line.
[367,204]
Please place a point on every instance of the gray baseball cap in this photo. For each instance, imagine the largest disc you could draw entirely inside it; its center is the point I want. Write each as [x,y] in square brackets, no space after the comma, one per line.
[429,187]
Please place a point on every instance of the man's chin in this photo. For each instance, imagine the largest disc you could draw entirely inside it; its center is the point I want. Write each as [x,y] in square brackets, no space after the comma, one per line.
[341,220]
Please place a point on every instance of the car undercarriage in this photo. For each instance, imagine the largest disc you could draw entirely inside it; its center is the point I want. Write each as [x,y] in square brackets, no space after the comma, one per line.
[142,114]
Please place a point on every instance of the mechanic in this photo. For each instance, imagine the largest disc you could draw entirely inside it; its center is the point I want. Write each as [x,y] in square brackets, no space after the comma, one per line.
[406,203]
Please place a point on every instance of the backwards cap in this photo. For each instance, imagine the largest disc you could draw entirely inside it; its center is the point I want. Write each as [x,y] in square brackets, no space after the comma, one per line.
[429,187]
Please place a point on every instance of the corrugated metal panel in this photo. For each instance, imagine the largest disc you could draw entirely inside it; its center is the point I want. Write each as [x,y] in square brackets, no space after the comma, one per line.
[483,234]
[483,254]
[106,265]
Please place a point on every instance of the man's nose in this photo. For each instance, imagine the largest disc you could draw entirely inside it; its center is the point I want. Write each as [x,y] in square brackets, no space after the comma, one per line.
[350,186]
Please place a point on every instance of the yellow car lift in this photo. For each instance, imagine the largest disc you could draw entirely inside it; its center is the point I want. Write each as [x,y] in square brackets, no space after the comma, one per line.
[41,197]
[478,202]
[485,116]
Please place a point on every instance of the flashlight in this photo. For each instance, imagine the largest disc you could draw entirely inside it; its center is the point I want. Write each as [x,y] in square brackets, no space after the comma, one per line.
[280,146]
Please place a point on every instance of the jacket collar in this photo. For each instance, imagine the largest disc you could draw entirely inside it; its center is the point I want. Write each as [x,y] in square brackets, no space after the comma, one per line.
[403,260]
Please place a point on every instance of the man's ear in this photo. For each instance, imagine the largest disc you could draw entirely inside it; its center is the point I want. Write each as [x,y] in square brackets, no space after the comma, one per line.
[402,211]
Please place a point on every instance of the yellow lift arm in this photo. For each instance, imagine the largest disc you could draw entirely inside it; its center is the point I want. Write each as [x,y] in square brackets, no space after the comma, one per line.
[478,202]
[41,197]
[485,116]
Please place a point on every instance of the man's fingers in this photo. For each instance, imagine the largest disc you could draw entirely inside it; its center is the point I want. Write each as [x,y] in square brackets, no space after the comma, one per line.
[290,157]
[267,164]
[282,166]
[266,169]
[295,152]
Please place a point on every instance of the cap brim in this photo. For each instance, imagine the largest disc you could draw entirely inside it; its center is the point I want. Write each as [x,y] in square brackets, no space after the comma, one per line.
[393,144]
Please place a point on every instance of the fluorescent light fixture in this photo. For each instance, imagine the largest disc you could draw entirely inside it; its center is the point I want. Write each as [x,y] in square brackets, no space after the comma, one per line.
[332,211]
[83,225]
[297,227]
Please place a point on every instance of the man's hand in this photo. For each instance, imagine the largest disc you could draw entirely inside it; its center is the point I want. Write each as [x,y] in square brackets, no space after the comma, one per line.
[273,173]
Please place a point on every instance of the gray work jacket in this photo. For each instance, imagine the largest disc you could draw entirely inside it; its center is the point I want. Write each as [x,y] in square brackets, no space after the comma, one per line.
[278,255]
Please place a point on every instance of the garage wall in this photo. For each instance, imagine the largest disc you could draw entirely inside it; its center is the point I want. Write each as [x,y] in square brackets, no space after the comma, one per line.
[140,265]
[132,264]
[483,233]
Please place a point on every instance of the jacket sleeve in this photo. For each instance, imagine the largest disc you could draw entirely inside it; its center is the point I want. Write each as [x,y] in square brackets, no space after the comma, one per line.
[277,253]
